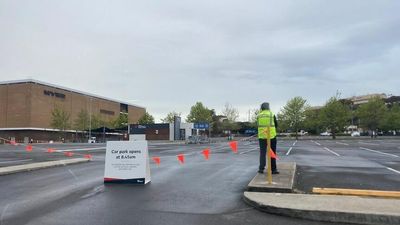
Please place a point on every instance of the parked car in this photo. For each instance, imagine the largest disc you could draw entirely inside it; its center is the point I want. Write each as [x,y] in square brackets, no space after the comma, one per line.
[326,133]
[195,139]
[355,134]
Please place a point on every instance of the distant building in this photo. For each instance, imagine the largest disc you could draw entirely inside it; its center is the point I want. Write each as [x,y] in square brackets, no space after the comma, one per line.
[26,109]
[361,99]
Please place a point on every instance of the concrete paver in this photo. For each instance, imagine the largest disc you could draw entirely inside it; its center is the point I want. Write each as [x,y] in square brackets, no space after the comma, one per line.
[282,182]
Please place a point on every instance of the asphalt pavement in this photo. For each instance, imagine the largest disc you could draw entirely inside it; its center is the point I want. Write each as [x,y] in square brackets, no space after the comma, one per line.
[197,192]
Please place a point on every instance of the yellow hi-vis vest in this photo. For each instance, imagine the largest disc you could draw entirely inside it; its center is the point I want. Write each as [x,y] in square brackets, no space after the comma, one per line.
[265,119]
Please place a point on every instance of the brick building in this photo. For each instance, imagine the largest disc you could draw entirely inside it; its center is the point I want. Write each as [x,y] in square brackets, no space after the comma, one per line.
[26,109]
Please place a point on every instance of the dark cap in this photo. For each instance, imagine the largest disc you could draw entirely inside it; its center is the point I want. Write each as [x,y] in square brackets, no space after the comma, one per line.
[265,106]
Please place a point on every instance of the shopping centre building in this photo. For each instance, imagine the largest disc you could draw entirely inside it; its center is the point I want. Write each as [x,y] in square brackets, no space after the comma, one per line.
[26,108]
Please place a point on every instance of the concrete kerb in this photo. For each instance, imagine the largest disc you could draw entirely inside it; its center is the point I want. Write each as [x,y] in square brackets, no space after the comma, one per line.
[344,209]
[278,198]
[40,165]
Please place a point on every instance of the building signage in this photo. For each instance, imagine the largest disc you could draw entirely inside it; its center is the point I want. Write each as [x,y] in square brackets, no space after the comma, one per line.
[107,112]
[54,94]
[201,126]
[127,162]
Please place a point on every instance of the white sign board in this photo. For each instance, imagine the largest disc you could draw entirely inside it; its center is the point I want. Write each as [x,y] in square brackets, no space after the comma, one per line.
[127,162]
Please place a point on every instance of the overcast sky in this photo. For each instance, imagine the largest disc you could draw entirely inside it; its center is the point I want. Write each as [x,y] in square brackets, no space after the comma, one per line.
[166,55]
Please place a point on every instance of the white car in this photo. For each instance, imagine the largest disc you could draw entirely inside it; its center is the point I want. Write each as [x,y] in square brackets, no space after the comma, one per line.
[326,133]
[355,134]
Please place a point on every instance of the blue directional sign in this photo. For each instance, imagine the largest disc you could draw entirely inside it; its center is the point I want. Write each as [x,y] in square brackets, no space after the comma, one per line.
[201,126]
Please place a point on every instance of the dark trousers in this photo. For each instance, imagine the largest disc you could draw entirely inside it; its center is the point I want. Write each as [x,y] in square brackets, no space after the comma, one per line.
[263,154]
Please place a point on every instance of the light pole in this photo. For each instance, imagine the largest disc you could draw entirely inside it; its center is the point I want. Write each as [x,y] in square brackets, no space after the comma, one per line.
[90,120]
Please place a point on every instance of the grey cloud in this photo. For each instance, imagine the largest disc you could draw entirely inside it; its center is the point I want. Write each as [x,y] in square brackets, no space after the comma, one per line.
[167,55]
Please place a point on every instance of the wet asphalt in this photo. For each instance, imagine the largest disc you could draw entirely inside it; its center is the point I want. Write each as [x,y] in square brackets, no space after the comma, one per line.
[197,192]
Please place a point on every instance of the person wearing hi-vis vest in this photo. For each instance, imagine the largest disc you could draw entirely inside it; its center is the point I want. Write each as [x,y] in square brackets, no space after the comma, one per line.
[266,120]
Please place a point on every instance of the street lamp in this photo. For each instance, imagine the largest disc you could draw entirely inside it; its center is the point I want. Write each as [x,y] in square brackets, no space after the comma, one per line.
[90,120]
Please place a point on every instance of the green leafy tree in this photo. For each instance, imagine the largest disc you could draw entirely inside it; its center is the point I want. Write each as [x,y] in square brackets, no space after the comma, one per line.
[121,121]
[391,121]
[312,122]
[199,113]
[60,119]
[81,122]
[334,116]
[283,125]
[372,113]
[170,117]
[146,119]
[293,113]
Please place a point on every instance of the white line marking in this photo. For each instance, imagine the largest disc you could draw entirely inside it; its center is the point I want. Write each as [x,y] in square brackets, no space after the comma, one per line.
[317,143]
[248,151]
[290,149]
[3,213]
[13,161]
[393,170]
[80,149]
[73,174]
[342,143]
[294,143]
[331,151]
[383,153]
[366,143]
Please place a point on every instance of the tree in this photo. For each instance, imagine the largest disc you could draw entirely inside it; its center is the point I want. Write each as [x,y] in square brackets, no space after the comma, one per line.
[371,114]
[231,115]
[170,117]
[391,121]
[334,116]
[60,119]
[199,113]
[253,117]
[81,123]
[293,113]
[121,121]
[146,119]
[312,122]
[283,125]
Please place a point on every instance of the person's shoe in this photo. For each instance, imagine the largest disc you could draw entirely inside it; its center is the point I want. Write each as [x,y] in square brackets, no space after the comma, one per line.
[260,171]
[275,172]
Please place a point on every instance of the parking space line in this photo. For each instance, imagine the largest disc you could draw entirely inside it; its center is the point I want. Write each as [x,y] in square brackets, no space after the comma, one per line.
[375,151]
[317,143]
[327,149]
[290,149]
[342,143]
[80,149]
[294,143]
[15,161]
[366,143]
[393,170]
[253,149]
[3,213]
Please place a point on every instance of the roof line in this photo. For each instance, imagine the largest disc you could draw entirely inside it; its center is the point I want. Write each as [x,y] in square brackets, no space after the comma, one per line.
[66,89]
